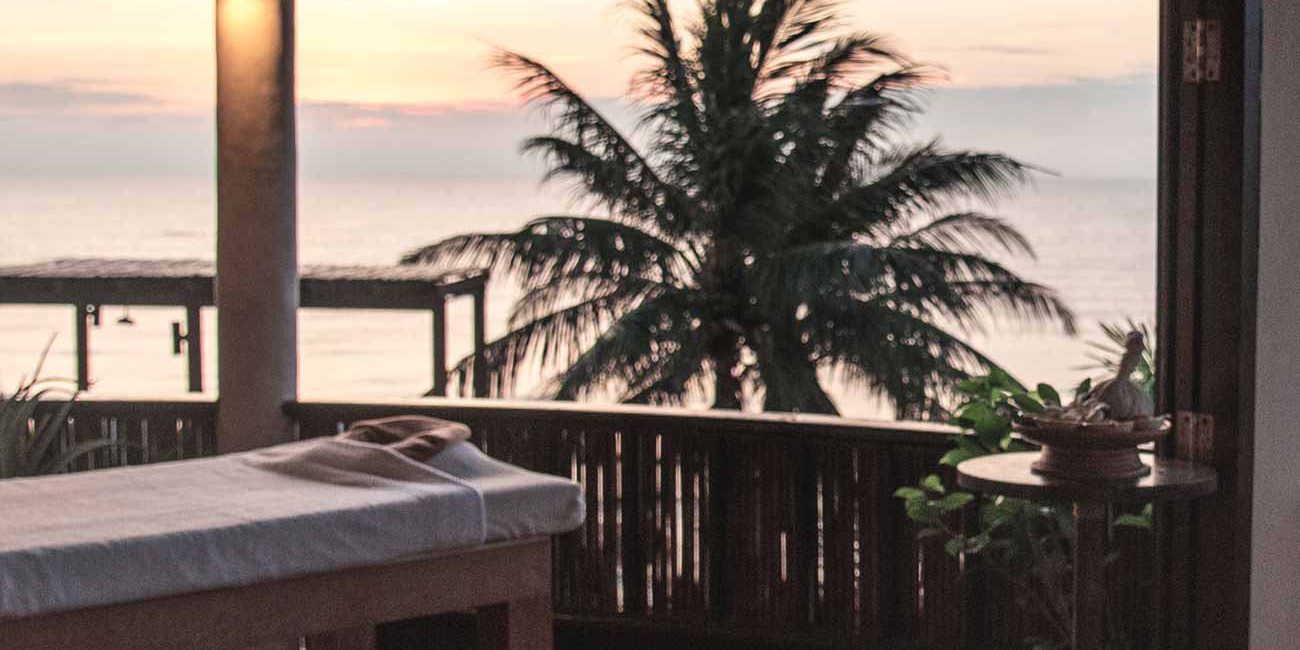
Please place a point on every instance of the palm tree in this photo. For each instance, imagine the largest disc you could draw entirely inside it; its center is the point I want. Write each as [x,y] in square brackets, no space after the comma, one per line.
[768,233]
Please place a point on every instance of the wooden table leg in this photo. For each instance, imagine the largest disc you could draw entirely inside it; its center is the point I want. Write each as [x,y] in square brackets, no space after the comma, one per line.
[277,645]
[355,638]
[523,624]
[1090,531]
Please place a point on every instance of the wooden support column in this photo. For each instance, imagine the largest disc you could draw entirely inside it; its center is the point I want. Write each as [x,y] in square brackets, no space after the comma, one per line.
[481,388]
[257,260]
[81,325]
[523,624]
[1090,529]
[440,348]
[194,347]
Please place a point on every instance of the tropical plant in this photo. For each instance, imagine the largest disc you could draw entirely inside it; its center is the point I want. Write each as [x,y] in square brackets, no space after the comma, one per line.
[1026,542]
[768,234]
[1105,354]
[29,442]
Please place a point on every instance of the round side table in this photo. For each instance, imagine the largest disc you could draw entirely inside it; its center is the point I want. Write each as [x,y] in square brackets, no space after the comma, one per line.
[1010,475]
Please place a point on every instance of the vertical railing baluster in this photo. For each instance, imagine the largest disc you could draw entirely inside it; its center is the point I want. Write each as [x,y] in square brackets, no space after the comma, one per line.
[804,546]
[722,575]
[633,529]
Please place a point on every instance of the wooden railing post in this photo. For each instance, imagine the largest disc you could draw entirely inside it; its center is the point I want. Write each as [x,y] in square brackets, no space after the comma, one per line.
[804,547]
[634,558]
[722,576]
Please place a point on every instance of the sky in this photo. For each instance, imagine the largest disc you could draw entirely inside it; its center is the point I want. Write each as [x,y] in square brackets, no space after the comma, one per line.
[107,75]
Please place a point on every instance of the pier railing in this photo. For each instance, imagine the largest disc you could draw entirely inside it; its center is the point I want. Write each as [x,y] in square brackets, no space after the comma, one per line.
[704,527]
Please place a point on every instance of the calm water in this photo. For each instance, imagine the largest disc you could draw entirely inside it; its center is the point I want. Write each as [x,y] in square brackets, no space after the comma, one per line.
[1095,241]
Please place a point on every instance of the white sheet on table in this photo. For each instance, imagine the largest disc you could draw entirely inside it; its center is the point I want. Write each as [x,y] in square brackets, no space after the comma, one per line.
[119,535]
[519,503]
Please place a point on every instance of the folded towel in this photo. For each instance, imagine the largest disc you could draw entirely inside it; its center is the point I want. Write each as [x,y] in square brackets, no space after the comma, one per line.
[414,436]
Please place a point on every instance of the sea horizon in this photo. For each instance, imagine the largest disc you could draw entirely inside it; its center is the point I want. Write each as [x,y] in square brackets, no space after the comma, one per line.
[1105,271]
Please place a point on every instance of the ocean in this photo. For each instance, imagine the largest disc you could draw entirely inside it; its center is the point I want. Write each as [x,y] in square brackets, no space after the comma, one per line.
[1095,243]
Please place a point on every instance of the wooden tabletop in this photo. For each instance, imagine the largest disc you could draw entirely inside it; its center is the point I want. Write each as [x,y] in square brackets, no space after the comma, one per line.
[1010,474]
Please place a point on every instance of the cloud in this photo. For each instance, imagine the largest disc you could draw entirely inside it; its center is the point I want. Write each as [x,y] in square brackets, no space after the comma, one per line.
[29,98]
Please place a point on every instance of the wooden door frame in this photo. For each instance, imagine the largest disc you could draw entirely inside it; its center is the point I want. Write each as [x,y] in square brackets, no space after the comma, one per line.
[1206,289]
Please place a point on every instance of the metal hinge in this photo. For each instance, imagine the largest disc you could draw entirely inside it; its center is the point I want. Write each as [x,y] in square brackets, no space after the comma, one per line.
[1202,50]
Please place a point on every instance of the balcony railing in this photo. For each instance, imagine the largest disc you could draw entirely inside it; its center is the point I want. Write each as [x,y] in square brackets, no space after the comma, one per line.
[757,530]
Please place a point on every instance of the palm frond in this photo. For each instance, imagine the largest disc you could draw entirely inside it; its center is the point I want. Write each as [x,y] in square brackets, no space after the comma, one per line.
[555,248]
[552,339]
[670,81]
[930,178]
[578,121]
[968,232]
[638,346]
[902,357]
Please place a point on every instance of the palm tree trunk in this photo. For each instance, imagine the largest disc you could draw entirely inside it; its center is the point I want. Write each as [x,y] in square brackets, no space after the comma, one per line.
[724,351]
[726,385]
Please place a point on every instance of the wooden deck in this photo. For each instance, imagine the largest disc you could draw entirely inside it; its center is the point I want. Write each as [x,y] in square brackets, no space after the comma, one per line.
[86,284]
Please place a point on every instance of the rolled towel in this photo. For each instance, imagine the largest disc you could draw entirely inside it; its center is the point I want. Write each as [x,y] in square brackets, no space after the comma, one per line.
[414,436]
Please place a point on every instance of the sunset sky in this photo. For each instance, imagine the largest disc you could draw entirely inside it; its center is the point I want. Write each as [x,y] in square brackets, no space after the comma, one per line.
[107,140]
[403,86]
[433,51]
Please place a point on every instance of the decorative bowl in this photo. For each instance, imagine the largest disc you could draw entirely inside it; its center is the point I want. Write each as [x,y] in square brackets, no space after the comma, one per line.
[1091,450]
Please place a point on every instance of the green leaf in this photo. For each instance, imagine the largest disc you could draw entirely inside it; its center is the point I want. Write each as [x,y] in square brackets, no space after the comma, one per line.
[973,445]
[1048,395]
[1133,521]
[922,511]
[998,378]
[987,423]
[977,543]
[909,493]
[1015,445]
[933,483]
[955,457]
[956,501]
[954,546]
[1027,403]
[1142,520]
[1083,388]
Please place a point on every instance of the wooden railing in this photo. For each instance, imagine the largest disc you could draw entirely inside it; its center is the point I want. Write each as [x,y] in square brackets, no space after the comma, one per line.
[777,526]
[147,431]
[757,530]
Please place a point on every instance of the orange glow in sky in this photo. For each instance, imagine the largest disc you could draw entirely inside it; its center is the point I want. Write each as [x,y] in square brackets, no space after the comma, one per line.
[435,51]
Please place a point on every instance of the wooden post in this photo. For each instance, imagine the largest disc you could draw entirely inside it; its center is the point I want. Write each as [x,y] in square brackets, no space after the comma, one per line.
[257,260]
[194,346]
[523,624]
[440,347]
[480,342]
[82,326]
[1090,528]
[356,638]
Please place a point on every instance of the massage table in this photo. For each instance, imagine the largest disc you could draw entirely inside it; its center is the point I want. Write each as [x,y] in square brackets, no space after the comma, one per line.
[321,539]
